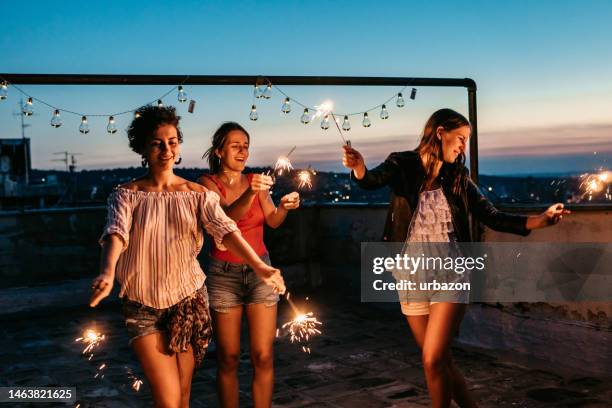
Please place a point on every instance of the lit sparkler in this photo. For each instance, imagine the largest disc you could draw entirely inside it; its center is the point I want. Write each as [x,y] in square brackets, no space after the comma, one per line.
[302,327]
[594,183]
[304,178]
[283,163]
[92,339]
[136,382]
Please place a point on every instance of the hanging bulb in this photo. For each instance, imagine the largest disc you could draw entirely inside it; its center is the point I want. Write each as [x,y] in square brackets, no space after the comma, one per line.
[305,118]
[26,109]
[366,120]
[182,96]
[346,125]
[84,127]
[286,108]
[413,93]
[399,102]
[257,93]
[111,128]
[267,93]
[56,120]
[384,113]
[253,115]
[325,122]
[160,104]
[3,90]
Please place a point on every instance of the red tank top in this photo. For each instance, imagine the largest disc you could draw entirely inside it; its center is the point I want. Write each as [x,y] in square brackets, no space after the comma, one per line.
[251,226]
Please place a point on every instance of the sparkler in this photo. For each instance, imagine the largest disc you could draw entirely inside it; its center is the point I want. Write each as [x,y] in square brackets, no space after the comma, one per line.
[304,178]
[593,183]
[136,382]
[283,163]
[302,327]
[326,108]
[92,339]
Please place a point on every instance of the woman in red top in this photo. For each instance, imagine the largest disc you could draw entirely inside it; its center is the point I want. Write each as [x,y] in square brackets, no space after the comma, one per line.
[232,284]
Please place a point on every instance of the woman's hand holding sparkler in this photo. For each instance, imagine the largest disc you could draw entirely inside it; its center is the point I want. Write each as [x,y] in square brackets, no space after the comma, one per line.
[551,216]
[290,201]
[100,288]
[261,182]
[352,159]
[271,277]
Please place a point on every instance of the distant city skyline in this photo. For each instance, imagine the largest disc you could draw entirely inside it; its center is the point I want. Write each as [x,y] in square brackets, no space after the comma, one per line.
[544,86]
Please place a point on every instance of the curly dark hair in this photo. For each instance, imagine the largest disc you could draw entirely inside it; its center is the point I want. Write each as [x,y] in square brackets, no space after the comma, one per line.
[147,119]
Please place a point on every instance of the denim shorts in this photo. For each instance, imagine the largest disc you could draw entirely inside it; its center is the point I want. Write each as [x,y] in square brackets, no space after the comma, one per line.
[232,284]
[142,320]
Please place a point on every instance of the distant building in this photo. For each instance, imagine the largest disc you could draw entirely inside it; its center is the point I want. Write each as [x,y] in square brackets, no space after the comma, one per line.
[17,189]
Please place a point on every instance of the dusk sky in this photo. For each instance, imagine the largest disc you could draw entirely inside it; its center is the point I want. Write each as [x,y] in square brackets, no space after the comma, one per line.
[543,69]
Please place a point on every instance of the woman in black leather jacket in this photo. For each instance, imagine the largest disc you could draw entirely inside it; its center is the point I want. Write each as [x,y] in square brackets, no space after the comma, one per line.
[437,166]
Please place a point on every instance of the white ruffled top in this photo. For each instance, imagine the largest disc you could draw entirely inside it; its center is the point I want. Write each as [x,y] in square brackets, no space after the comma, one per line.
[433,220]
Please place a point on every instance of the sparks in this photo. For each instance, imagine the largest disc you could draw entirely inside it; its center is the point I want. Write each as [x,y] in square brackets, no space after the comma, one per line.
[323,109]
[304,179]
[282,164]
[92,339]
[302,327]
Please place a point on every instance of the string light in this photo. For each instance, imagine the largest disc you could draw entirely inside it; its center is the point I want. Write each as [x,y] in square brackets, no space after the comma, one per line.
[305,118]
[286,108]
[399,102]
[257,93]
[366,120]
[325,122]
[111,127]
[346,125]
[267,93]
[56,120]
[384,113]
[182,95]
[253,115]
[27,108]
[84,127]
[3,90]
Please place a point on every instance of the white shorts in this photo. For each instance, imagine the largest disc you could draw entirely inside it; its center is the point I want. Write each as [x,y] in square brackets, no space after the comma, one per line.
[416,308]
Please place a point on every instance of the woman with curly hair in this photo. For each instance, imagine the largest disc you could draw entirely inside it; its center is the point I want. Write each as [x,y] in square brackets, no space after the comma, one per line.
[153,234]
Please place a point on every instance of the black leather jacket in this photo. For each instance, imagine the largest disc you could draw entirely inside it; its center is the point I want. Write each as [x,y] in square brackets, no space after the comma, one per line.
[404,173]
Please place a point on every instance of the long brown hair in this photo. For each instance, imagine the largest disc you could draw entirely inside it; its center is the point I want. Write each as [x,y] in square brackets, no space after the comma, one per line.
[431,146]
[218,140]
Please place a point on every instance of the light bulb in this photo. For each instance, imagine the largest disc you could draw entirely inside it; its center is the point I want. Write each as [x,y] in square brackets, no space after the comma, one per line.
[56,120]
[26,109]
[384,113]
[84,127]
[111,128]
[346,125]
[366,120]
[3,90]
[267,93]
[286,108]
[160,104]
[253,115]
[182,95]
[399,102]
[257,93]
[305,118]
[325,122]
[413,93]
